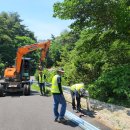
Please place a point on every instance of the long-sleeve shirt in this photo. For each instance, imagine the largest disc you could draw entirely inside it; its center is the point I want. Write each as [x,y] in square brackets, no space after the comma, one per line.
[59,84]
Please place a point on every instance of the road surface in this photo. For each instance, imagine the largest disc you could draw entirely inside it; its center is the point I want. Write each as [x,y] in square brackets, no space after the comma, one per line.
[34,112]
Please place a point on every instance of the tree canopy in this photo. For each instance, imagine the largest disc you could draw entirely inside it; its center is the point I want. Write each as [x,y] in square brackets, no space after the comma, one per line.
[13,34]
[100,55]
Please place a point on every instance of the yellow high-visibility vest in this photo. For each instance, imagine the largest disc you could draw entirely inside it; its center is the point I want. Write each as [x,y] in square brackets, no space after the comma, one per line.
[77,87]
[73,87]
[41,78]
[54,87]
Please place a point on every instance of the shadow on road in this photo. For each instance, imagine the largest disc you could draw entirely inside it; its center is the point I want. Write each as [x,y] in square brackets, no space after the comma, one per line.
[70,123]
[19,94]
[85,112]
[33,92]
[13,94]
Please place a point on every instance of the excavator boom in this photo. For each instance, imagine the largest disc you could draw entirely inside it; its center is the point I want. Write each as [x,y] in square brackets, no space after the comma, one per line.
[29,48]
[13,72]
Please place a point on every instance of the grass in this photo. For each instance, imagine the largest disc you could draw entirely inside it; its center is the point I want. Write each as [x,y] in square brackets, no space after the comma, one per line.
[36,88]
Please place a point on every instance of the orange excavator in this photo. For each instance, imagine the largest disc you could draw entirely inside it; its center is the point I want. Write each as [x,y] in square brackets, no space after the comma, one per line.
[17,78]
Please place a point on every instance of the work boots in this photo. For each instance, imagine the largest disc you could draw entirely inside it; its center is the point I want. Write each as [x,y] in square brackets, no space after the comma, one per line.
[62,120]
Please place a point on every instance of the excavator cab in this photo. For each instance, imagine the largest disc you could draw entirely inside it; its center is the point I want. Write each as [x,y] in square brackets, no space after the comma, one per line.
[25,69]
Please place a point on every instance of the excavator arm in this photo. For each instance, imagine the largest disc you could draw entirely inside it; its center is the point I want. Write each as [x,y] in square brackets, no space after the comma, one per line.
[29,48]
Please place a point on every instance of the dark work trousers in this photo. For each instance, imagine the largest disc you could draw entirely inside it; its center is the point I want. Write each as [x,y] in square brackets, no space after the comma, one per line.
[59,99]
[75,95]
[42,88]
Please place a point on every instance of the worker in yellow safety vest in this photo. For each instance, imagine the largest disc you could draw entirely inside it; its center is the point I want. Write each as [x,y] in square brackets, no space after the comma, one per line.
[77,91]
[58,97]
[41,82]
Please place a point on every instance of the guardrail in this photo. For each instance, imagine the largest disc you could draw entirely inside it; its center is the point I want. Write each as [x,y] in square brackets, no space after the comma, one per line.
[80,122]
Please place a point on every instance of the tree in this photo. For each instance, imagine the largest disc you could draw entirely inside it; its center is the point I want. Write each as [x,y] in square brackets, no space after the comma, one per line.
[13,34]
[1,67]
[101,14]
[103,46]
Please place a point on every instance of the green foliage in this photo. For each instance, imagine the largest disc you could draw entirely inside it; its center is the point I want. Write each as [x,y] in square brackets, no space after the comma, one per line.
[100,54]
[113,86]
[94,61]
[58,46]
[119,52]
[13,34]
[100,14]
[72,9]
[11,27]
[54,52]
[36,87]
[49,74]
[23,40]
[67,43]
[8,53]
[1,68]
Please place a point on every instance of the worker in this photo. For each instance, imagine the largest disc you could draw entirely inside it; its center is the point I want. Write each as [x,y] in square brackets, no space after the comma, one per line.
[77,91]
[58,97]
[41,82]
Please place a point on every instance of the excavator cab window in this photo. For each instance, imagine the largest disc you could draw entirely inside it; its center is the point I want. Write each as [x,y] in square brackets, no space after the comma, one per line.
[26,64]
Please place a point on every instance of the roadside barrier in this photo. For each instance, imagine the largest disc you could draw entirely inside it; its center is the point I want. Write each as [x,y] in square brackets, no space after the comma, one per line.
[80,122]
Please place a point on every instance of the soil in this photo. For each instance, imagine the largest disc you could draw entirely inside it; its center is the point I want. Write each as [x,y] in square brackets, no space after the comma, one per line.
[118,119]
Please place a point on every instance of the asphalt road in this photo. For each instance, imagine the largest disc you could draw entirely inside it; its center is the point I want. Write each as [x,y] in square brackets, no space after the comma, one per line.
[34,112]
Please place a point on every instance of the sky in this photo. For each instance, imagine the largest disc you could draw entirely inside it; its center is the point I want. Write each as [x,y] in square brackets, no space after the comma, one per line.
[37,15]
